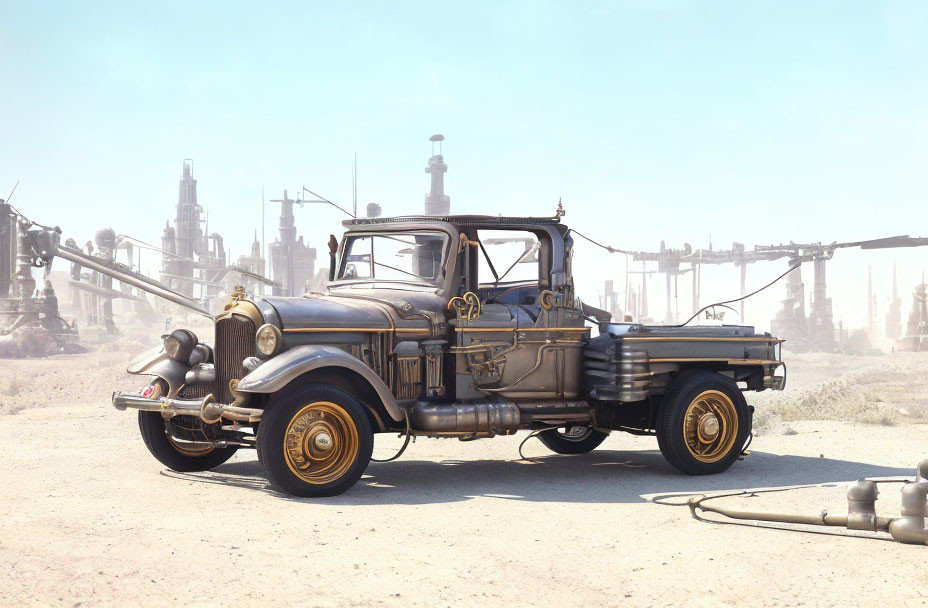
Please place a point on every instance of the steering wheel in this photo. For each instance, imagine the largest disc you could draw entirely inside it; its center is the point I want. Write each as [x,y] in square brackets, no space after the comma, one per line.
[499,296]
[351,271]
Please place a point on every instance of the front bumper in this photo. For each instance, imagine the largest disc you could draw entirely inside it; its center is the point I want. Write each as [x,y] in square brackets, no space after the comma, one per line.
[206,409]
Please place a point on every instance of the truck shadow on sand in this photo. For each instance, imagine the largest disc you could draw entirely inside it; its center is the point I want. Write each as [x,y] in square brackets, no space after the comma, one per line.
[603,476]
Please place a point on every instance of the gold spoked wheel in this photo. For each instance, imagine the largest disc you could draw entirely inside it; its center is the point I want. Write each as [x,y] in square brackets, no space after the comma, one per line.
[710,426]
[320,443]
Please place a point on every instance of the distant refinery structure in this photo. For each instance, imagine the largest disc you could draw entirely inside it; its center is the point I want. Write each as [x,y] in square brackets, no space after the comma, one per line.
[30,323]
[293,262]
[436,201]
[92,293]
[916,329]
[806,327]
[190,255]
[195,269]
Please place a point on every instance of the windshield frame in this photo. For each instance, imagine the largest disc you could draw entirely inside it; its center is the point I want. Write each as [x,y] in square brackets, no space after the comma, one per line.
[438,283]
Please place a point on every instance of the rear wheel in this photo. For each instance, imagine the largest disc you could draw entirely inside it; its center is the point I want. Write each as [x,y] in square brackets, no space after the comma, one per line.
[315,441]
[703,423]
[572,439]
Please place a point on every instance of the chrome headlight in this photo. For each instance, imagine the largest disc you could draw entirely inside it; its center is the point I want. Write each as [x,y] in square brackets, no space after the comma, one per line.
[268,339]
[180,344]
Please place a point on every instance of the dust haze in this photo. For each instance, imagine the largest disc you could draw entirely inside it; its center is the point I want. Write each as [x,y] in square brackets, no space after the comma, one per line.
[718,166]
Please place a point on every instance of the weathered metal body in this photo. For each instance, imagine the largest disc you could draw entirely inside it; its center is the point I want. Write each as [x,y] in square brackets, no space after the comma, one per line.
[451,353]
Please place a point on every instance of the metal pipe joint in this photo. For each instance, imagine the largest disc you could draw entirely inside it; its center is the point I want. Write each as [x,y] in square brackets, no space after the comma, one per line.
[910,528]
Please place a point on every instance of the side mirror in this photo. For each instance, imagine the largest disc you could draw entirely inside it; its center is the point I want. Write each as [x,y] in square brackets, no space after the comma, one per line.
[333,249]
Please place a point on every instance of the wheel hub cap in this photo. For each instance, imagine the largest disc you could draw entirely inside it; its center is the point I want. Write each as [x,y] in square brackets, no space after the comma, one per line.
[323,441]
[708,427]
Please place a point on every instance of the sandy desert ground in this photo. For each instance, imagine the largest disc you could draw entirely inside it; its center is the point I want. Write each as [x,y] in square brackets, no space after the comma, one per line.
[89,518]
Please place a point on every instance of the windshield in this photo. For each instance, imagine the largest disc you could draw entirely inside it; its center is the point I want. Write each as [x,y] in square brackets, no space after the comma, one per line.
[406,257]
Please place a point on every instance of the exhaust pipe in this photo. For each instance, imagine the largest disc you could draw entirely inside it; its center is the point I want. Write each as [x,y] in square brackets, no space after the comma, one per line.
[206,409]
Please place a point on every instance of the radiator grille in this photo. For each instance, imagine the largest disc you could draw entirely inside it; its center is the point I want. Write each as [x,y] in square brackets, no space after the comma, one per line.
[235,341]
[196,391]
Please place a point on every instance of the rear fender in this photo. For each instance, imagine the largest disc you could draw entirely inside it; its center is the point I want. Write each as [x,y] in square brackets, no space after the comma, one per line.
[276,373]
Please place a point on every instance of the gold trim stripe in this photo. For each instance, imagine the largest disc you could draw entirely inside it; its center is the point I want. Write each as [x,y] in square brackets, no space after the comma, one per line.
[700,339]
[365,330]
[716,360]
[519,329]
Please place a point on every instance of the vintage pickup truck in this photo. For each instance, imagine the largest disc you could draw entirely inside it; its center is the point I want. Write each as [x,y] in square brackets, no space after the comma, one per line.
[458,326]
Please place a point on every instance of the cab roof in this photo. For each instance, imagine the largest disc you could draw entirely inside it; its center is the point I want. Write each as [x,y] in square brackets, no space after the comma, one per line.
[464,221]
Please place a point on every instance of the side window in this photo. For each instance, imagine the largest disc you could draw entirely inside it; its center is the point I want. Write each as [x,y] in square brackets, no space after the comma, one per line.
[512,256]
[358,259]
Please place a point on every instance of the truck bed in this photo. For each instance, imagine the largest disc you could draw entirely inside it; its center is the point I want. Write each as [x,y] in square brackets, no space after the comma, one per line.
[630,361]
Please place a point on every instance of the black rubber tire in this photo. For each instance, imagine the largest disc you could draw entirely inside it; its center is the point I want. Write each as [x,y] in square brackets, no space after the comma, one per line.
[151,424]
[281,409]
[670,419]
[558,443]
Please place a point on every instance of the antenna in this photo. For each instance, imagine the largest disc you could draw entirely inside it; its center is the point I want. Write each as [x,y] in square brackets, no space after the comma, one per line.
[354,186]
[12,191]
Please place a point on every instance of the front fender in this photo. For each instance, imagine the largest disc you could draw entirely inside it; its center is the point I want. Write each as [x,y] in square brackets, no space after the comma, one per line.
[156,362]
[276,373]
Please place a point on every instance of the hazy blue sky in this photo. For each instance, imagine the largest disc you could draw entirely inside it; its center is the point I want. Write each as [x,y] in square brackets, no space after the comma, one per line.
[750,121]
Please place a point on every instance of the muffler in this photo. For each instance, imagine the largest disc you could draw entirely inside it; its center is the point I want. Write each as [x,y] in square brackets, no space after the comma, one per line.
[480,418]
[206,408]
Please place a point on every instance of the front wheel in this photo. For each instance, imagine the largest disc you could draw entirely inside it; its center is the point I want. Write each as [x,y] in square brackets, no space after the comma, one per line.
[315,441]
[175,455]
[572,440]
[703,423]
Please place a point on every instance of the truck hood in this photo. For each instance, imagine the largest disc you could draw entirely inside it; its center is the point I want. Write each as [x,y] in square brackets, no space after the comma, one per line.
[326,311]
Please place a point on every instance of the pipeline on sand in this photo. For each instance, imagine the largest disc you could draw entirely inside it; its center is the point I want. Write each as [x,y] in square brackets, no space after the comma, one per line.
[909,528]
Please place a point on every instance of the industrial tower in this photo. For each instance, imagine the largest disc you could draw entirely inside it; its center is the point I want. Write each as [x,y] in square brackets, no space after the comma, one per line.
[436,201]
[193,255]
